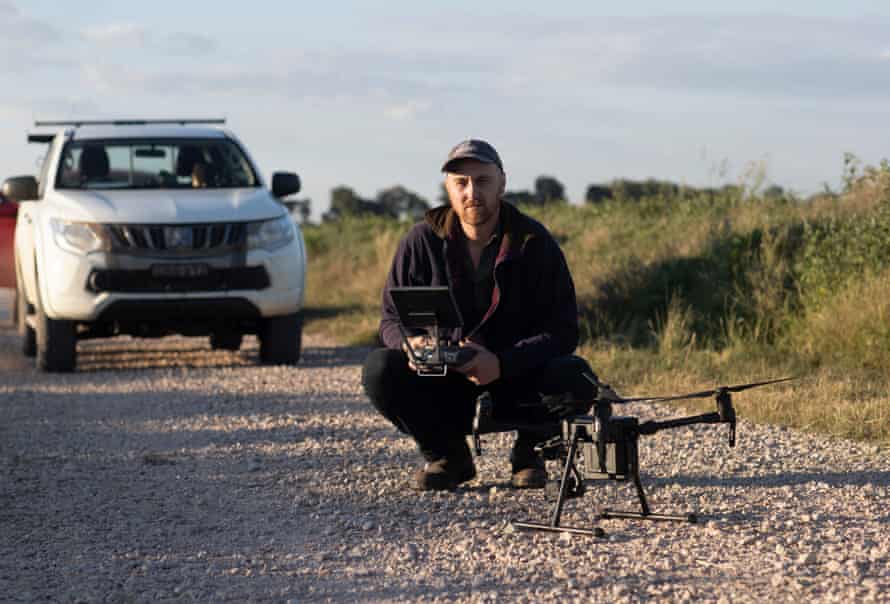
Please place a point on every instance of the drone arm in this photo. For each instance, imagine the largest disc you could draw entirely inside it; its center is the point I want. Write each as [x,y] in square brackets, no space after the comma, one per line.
[725,414]
[651,427]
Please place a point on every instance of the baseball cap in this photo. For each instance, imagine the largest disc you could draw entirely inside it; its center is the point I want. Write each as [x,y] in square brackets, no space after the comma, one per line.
[473,148]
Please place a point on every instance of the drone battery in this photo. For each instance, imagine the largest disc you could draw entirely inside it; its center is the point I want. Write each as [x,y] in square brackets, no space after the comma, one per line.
[621,453]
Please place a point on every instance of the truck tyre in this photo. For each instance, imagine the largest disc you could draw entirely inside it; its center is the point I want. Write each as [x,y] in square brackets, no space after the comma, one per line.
[225,340]
[281,339]
[56,342]
[20,314]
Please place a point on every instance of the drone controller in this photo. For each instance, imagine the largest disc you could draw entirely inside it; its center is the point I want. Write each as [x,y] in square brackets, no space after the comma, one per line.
[435,360]
[456,356]
[431,310]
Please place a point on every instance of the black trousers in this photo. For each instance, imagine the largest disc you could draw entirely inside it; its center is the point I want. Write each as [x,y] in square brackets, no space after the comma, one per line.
[438,411]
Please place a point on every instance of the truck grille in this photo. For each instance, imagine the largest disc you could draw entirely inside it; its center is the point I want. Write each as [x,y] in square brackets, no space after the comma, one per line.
[191,238]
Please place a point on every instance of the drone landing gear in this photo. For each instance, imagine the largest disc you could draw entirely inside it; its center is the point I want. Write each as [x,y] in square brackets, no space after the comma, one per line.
[615,459]
[646,513]
[570,486]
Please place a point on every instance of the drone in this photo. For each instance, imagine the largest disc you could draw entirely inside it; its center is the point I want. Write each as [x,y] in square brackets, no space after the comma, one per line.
[601,446]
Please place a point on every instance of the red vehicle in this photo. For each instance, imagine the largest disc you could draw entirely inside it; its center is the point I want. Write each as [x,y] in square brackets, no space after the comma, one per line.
[8,211]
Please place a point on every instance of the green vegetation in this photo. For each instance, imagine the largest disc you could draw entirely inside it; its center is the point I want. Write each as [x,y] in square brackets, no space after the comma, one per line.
[682,290]
[395,202]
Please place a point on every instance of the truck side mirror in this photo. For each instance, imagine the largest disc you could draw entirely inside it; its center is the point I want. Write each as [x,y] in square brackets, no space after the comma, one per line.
[285,183]
[20,188]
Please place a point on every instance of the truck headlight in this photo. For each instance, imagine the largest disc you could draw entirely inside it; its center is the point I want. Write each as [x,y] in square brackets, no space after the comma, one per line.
[79,237]
[270,234]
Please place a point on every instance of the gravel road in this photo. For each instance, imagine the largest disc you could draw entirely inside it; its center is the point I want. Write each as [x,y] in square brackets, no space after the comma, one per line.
[164,471]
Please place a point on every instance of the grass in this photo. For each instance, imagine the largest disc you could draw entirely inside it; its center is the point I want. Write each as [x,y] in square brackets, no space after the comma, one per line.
[348,263]
[680,293]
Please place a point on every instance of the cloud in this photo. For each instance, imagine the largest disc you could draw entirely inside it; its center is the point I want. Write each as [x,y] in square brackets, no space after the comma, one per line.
[406,111]
[135,35]
[22,32]
[28,46]
[8,9]
[182,43]
[385,77]
[618,68]
[115,33]
[757,56]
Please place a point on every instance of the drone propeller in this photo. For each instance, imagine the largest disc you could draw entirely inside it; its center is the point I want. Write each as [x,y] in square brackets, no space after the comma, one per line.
[610,397]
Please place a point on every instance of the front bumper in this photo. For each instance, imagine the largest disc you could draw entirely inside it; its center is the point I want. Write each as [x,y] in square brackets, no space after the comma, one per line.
[83,288]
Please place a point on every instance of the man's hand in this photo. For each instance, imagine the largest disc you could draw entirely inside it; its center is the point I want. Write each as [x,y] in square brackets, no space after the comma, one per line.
[482,369]
[417,343]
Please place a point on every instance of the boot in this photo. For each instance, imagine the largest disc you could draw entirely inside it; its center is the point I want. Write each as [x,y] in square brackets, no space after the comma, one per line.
[446,472]
[529,470]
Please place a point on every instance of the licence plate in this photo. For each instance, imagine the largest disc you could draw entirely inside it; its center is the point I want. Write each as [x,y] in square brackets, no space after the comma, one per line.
[180,271]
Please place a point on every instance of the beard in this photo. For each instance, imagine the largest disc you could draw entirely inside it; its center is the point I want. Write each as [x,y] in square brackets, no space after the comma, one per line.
[479,214]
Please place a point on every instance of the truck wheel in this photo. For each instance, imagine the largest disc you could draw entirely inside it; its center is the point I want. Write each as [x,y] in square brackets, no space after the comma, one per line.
[281,339]
[56,343]
[225,340]
[20,312]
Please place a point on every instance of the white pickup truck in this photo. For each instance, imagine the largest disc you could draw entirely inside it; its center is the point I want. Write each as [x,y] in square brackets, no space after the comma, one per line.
[149,228]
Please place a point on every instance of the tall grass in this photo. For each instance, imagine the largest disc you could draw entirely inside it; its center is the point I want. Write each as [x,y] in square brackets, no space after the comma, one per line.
[348,263]
[683,292]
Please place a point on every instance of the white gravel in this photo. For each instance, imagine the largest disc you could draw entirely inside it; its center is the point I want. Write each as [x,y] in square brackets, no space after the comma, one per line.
[163,471]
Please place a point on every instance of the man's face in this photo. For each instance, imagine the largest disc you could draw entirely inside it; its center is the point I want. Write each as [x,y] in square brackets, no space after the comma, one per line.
[475,189]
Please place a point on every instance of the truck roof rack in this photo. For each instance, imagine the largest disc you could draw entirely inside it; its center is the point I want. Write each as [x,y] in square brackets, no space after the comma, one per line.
[129,122]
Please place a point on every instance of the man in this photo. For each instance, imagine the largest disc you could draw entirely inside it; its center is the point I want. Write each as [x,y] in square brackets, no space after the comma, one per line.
[199,175]
[516,296]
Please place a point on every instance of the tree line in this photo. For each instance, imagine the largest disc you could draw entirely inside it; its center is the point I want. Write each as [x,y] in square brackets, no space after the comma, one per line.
[403,204]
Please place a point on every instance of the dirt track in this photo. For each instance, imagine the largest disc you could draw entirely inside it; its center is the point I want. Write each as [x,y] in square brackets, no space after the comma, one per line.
[164,471]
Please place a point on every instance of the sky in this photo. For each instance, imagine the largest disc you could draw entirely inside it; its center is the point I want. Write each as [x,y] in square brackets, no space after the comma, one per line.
[374,94]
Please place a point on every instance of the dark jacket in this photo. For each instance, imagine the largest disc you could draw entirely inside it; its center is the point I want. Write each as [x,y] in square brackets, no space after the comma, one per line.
[533,315]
